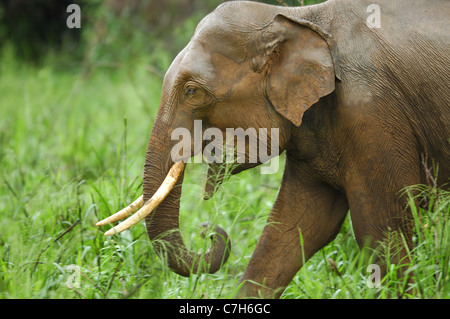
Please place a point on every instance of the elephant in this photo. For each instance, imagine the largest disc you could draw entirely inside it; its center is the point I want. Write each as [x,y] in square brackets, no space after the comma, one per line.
[358,101]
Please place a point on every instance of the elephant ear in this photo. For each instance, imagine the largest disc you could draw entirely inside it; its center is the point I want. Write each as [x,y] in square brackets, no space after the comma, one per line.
[297,57]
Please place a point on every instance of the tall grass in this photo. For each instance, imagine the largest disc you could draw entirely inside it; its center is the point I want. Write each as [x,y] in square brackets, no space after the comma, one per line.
[340,270]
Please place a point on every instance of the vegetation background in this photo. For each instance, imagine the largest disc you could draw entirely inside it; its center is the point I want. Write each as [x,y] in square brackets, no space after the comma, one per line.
[76,110]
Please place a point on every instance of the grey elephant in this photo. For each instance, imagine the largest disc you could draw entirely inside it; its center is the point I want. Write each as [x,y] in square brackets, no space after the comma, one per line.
[358,100]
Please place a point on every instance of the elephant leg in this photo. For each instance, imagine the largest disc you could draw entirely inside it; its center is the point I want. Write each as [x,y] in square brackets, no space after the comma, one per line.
[391,235]
[379,213]
[305,206]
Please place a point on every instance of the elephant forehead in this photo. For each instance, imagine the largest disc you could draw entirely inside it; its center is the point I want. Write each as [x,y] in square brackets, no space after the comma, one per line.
[191,63]
[196,63]
[218,35]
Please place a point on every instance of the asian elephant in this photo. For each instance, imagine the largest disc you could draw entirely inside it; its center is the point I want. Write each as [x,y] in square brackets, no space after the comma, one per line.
[358,102]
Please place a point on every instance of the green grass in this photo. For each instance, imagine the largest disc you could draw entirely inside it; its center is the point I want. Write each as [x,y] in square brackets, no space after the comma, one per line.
[72,150]
[340,270]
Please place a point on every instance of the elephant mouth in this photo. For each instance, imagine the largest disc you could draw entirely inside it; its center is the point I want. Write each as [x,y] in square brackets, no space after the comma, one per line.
[138,208]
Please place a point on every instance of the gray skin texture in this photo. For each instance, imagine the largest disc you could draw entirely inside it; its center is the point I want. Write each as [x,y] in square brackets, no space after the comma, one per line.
[356,108]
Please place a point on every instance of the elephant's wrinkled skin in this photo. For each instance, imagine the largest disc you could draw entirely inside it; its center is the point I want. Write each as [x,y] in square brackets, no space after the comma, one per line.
[357,107]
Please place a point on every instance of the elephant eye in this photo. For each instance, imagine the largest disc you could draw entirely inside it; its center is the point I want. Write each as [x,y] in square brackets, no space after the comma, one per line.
[191,91]
[197,96]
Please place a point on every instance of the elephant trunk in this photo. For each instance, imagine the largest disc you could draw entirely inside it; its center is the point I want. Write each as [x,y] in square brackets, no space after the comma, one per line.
[160,205]
[163,223]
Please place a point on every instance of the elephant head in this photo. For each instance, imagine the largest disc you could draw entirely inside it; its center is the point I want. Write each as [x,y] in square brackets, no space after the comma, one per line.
[246,66]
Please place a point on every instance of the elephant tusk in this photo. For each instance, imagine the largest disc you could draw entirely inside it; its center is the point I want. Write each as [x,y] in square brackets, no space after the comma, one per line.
[127,211]
[162,192]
